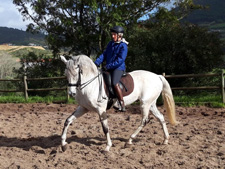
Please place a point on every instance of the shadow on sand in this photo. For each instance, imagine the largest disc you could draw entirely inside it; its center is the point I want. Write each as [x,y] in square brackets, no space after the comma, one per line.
[50,141]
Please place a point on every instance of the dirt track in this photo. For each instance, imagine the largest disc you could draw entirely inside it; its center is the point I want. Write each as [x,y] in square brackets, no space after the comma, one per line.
[30,138]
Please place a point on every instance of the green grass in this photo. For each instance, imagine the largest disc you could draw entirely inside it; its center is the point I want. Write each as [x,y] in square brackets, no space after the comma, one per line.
[200,100]
[35,99]
[206,98]
[26,51]
[203,99]
[186,101]
[218,26]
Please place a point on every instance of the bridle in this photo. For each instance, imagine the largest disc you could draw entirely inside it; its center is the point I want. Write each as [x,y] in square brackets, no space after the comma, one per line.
[80,85]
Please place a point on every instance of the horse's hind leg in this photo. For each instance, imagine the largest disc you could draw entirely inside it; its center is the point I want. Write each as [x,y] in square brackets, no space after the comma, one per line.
[78,113]
[145,120]
[160,117]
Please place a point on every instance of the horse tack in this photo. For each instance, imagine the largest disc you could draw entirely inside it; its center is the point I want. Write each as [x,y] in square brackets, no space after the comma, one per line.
[128,83]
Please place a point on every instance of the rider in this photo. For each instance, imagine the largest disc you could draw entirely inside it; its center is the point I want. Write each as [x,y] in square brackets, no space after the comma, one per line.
[115,55]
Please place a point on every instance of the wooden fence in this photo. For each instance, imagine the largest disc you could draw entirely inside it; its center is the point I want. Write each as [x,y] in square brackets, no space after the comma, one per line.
[219,87]
[27,89]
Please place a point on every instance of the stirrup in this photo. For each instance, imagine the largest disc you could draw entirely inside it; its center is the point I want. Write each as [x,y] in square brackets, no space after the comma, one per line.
[122,106]
[123,109]
[119,107]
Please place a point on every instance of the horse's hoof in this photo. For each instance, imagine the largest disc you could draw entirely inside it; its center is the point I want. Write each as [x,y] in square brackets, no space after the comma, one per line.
[64,148]
[127,145]
[105,152]
[165,142]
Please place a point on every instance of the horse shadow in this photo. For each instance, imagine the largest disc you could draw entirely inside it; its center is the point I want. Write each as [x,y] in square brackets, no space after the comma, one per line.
[51,142]
[28,143]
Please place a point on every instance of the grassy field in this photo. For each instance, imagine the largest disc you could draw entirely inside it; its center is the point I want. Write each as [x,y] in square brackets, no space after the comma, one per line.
[10,57]
[15,48]
[187,101]
[198,100]
[35,99]
[216,27]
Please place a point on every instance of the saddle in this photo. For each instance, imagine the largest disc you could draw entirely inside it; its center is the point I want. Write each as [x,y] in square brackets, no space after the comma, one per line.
[126,84]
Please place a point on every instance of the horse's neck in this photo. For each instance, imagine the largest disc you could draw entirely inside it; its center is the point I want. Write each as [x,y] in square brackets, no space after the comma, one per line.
[91,81]
[93,92]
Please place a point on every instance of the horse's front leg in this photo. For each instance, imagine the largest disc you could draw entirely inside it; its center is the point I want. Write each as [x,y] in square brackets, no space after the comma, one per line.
[105,127]
[78,113]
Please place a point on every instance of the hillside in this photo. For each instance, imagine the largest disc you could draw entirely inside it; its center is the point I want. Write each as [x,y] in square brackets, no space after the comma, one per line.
[211,17]
[19,37]
[214,12]
[15,48]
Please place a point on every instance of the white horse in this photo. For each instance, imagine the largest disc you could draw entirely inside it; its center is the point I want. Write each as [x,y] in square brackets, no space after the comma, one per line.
[86,85]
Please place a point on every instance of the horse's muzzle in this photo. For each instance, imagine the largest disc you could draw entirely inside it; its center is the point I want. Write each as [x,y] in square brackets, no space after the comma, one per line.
[72,94]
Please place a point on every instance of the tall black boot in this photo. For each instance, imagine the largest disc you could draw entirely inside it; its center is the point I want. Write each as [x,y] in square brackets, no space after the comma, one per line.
[120,97]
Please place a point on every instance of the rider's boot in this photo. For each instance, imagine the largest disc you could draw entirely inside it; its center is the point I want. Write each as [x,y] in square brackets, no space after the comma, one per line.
[120,97]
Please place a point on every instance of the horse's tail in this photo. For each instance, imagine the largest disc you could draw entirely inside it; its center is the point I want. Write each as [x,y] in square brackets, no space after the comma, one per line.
[169,101]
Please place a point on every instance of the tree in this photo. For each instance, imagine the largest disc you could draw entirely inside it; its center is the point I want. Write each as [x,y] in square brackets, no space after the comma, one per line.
[82,25]
[175,49]
[37,66]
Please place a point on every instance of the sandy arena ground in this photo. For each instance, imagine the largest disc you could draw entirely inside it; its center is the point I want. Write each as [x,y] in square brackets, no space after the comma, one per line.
[30,139]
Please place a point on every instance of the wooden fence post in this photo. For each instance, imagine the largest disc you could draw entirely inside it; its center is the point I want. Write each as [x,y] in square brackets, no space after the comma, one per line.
[222,80]
[25,87]
[68,95]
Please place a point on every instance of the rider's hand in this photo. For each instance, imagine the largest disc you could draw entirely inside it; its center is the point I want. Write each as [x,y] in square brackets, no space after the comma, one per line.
[104,68]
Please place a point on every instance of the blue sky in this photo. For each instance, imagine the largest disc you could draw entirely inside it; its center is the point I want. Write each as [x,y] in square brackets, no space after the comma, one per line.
[10,16]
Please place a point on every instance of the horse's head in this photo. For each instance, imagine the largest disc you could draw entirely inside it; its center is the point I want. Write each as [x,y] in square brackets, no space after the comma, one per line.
[72,74]
[77,67]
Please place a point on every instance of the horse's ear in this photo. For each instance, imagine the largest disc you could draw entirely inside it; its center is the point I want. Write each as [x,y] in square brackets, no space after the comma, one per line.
[63,59]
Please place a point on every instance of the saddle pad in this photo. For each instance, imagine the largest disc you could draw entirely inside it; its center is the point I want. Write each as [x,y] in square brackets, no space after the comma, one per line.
[128,83]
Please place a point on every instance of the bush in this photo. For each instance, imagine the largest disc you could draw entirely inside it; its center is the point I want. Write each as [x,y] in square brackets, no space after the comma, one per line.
[174,49]
[7,65]
[35,66]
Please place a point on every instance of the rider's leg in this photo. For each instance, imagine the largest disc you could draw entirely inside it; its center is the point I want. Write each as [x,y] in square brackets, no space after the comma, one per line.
[120,97]
[116,76]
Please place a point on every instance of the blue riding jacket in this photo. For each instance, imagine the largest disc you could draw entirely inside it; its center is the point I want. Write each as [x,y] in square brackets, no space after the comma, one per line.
[114,55]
